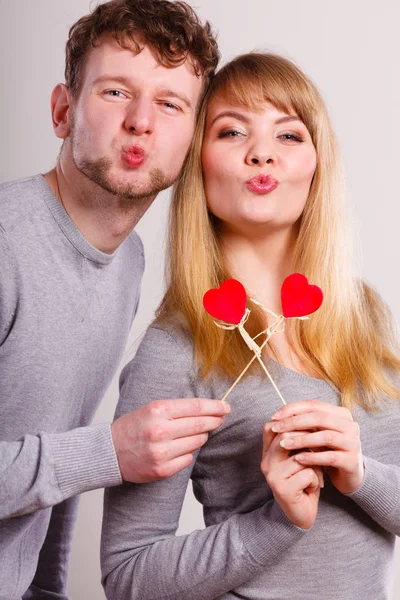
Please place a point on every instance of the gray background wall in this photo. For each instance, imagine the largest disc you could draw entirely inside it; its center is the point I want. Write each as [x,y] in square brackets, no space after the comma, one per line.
[351,48]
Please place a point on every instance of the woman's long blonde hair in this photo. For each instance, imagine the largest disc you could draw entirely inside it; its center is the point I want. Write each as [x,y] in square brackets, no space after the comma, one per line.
[350,340]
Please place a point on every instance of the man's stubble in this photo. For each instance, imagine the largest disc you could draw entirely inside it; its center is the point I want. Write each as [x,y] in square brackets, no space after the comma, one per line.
[99,171]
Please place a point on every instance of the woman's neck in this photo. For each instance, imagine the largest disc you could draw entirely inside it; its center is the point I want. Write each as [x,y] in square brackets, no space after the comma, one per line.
[260,263]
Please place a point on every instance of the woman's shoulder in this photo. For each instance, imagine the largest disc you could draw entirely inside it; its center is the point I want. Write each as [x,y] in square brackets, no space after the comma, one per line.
[175,330]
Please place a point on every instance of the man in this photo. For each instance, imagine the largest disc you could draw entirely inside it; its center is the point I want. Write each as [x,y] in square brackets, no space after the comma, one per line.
[70,279]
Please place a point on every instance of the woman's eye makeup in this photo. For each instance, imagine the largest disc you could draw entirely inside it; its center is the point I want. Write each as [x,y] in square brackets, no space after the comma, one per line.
[230,133]
[291,137]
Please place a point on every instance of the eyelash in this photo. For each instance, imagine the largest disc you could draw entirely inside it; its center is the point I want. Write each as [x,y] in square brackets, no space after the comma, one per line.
[170,105]
[234,133]
[120,94]
[112,92]
[292,137]
[230,133]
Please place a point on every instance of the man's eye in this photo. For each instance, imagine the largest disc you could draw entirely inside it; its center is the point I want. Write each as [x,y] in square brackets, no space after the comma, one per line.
[171,106]
[115,94]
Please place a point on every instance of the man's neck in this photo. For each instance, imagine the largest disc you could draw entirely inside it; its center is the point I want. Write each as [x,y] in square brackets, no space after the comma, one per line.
[104,219]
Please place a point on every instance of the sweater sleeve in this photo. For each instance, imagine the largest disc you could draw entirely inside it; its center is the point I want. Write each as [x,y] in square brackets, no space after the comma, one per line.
[38,471]
[42,470]
[8,287]
[379,494]
[141,555]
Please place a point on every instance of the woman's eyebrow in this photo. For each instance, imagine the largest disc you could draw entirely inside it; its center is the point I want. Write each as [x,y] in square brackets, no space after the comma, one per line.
[288,119]
[244,119]
[230,113]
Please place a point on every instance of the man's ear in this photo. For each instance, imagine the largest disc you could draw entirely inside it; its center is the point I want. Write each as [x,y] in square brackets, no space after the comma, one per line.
[61,111]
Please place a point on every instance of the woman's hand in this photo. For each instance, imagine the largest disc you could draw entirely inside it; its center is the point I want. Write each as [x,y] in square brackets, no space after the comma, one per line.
[296,488]
[335,439]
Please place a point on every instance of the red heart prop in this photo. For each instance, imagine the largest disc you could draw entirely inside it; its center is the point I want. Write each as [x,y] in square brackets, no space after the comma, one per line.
[226,303]
[298,297]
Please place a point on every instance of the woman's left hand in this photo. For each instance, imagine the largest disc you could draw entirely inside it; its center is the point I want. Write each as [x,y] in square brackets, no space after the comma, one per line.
[335,440]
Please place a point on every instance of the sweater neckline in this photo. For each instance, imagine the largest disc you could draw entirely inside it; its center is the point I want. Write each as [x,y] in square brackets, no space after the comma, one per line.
[279,370]
[68,227]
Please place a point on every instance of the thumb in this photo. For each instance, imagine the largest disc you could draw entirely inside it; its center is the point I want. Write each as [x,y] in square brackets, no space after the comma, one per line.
[268,436]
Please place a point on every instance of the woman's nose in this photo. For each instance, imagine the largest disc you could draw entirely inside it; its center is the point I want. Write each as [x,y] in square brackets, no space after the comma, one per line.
[260,155]
[259,160]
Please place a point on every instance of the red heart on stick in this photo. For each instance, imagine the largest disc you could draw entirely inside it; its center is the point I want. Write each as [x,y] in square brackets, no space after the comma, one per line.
[298,297]
[226,303]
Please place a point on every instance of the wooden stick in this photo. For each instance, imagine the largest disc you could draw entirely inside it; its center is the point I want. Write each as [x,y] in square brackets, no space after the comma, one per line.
[272,330]
[271,380]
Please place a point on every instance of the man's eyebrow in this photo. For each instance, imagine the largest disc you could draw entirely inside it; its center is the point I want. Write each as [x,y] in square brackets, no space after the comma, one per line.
[117,78]
[127,81]
[175,94]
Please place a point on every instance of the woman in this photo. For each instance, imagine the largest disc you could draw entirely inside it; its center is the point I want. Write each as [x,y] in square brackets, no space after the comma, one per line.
[260,198]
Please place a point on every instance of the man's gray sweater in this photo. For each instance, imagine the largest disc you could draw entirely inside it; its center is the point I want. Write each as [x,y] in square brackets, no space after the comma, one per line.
[248,550]
[65,313]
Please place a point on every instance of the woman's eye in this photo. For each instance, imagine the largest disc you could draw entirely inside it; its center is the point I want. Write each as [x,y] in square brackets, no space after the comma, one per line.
[291,137]
[231,133]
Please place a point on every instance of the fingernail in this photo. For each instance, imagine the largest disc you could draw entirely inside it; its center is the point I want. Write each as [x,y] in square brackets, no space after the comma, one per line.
[286,443]
[227,408]
[277,427]
[299,457]
[276,415]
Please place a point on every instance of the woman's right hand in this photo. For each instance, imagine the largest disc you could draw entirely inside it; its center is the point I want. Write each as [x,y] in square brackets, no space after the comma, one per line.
[295,488]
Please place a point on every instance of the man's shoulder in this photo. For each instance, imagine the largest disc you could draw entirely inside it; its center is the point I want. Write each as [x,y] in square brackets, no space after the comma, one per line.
[135,242]
[16,200]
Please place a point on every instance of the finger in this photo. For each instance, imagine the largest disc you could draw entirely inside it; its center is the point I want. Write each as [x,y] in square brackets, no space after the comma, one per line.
[313,420]
[192,407]
[305,479]
[331,458]
[319,439]
[288,468]
[274,457]
[173,466]
[304,406]
[188,426]
[320,475]
[268,437]
[184,445]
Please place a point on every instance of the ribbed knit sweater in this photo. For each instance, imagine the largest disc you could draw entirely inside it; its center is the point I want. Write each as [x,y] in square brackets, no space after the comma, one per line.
[65,313]
[249,550]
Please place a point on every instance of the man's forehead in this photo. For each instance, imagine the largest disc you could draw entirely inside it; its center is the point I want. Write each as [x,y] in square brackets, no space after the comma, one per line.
[133,52]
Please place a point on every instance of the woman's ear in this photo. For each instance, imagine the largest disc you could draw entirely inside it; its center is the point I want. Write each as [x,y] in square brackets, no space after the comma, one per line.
[61,111]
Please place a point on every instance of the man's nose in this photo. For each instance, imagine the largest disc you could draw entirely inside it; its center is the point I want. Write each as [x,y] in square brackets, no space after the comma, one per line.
[140,117]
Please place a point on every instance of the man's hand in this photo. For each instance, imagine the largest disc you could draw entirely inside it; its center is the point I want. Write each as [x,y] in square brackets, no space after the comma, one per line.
[295,487]
[157,440]
[334,436]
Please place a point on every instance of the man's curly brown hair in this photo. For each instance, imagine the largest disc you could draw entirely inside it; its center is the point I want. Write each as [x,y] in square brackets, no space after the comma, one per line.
[172,29]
